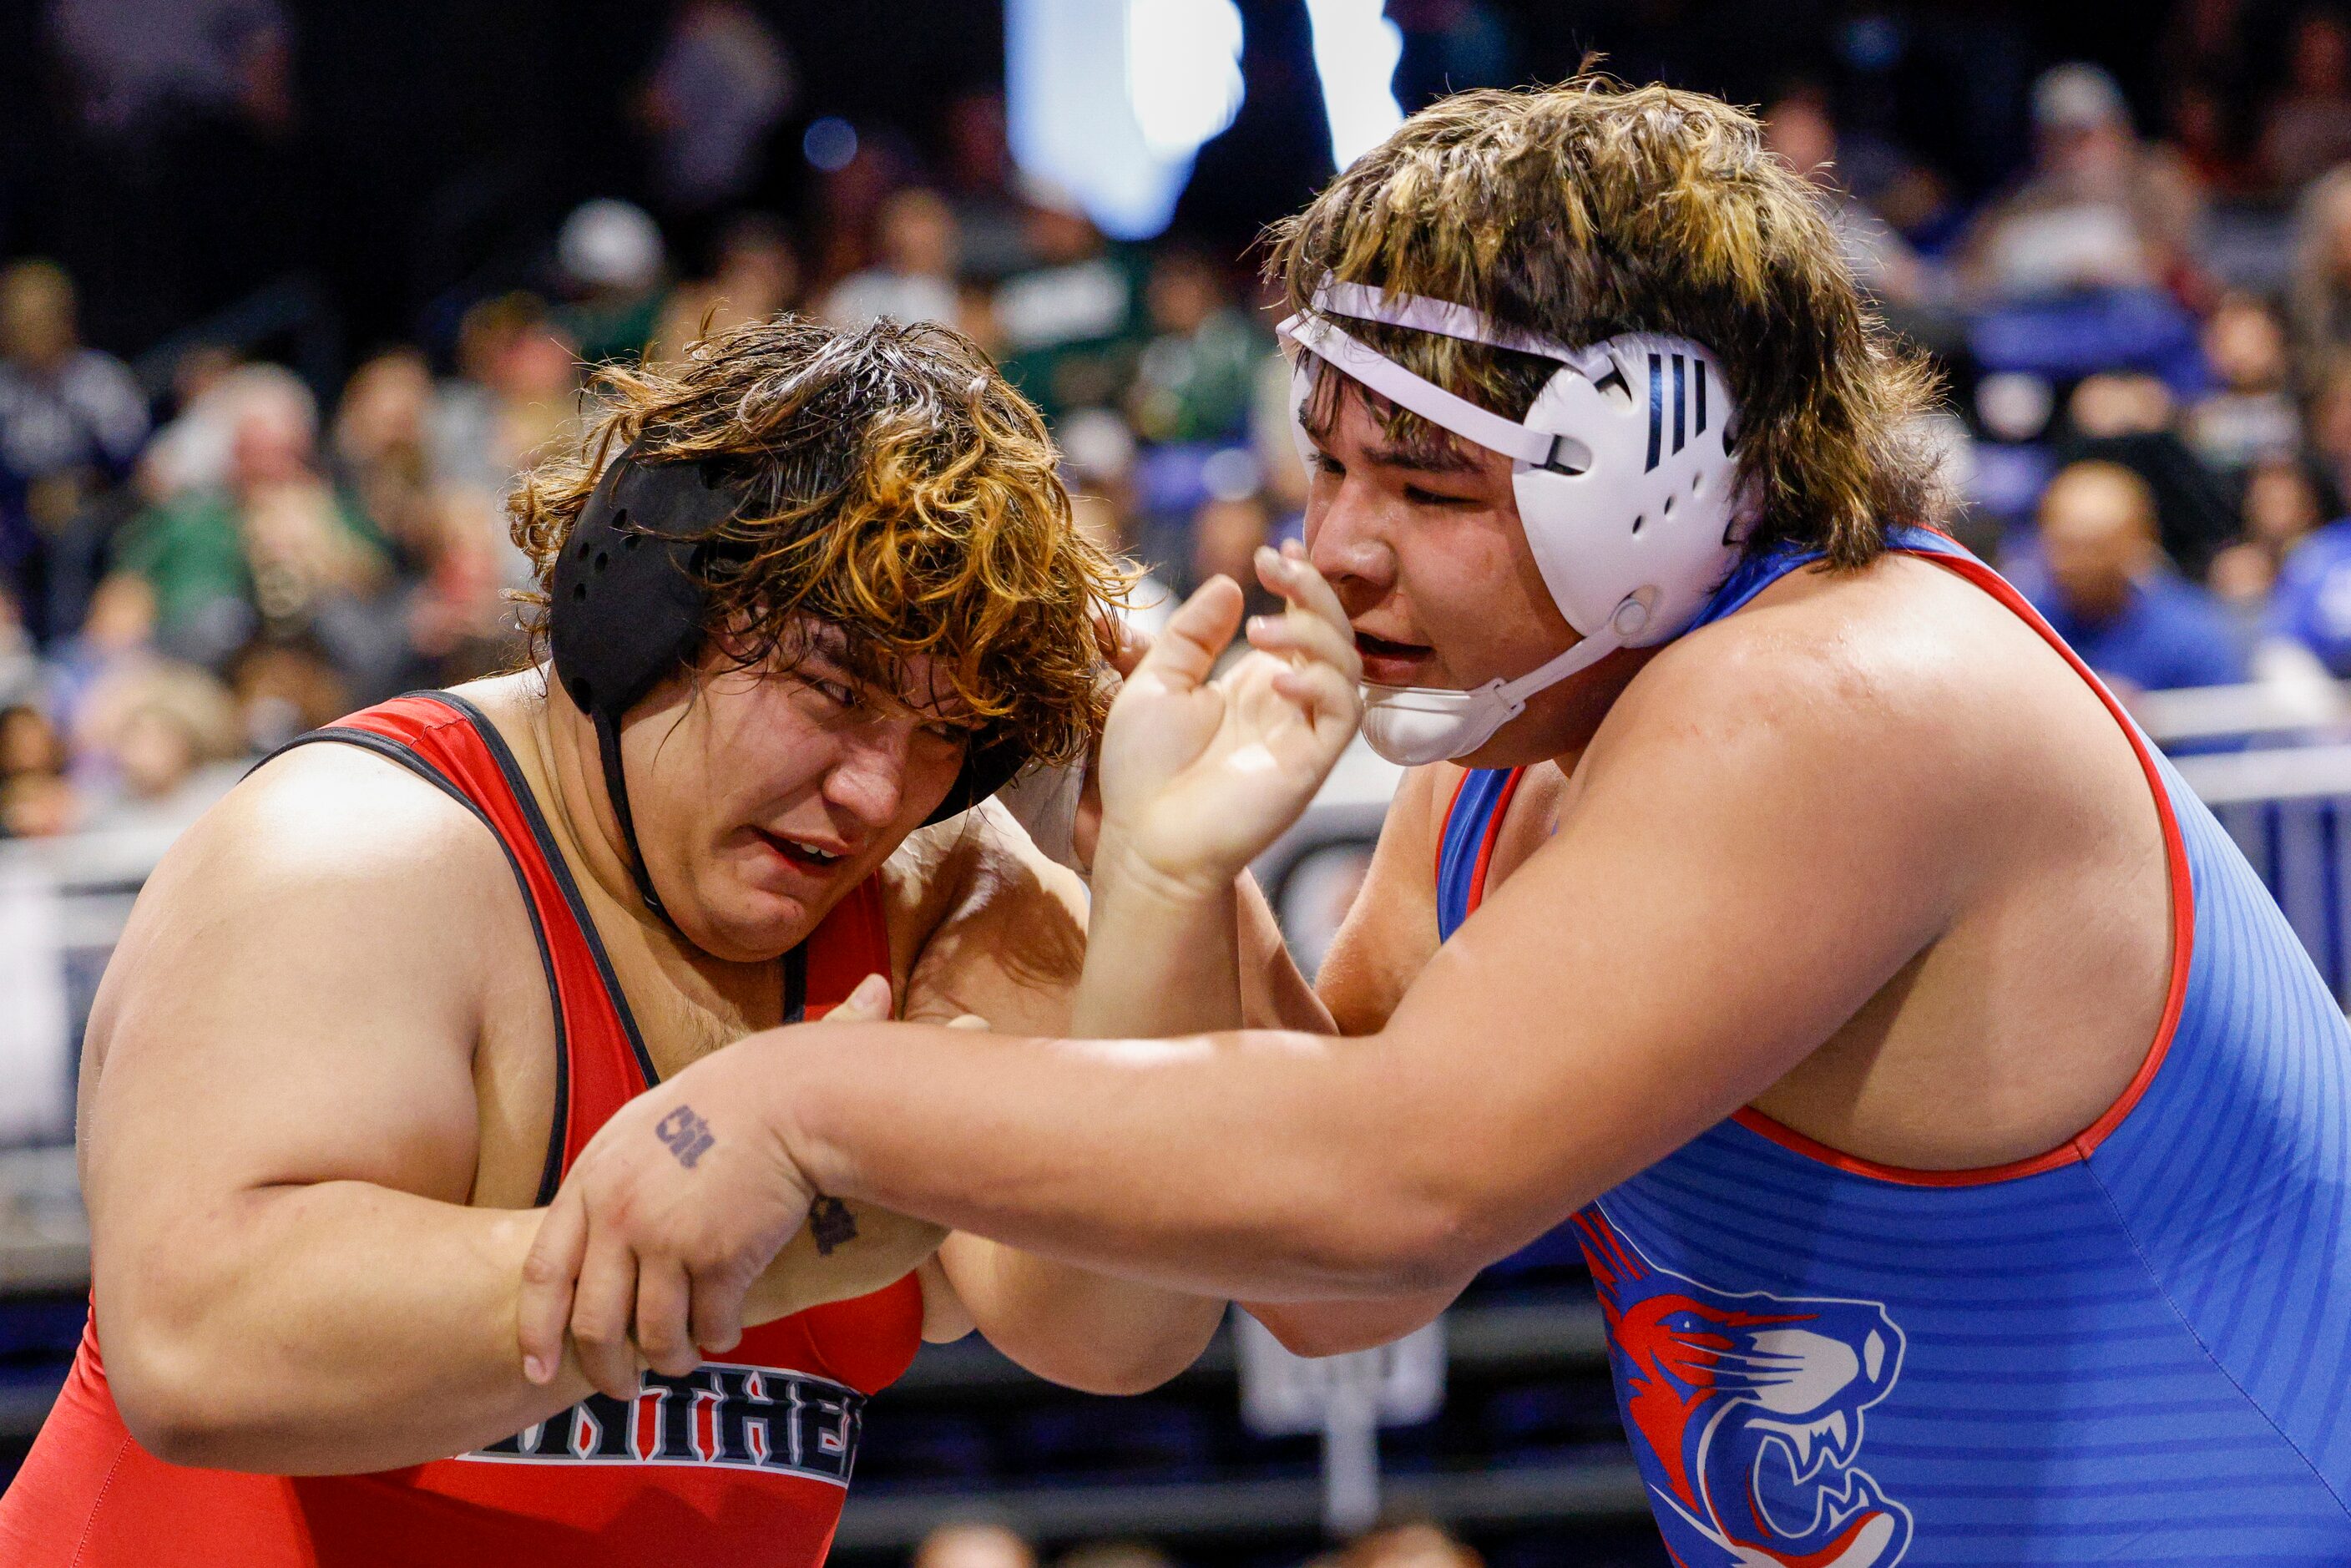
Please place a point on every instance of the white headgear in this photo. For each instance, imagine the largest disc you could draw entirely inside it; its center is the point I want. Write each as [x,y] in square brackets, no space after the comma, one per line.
[1625,481]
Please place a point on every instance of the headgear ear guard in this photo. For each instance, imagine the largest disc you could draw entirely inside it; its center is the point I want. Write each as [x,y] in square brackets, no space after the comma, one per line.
[629,598]
[1624,476]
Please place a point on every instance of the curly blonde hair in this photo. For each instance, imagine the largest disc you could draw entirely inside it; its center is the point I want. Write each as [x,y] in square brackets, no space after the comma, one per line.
[1592,208]
[898,487]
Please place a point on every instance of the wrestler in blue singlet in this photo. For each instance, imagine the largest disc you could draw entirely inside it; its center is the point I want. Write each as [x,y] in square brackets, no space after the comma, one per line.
[2130,1349]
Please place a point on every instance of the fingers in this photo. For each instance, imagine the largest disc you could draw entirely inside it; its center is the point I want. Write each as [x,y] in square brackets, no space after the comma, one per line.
[1122,644]
[1201,628]
[603,1311]
[1288,572]
[1328,697]
[547,1272]
[663,1300]
[968,1021]
[1309,637]
[868,1002]
[718,1311]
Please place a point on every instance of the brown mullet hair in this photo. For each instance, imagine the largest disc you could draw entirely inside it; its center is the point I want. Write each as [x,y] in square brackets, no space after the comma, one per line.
[1592,208]
[900,489]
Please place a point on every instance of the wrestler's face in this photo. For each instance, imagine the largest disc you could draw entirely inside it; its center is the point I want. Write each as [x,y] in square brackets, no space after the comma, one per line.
[762,796]
[1433,569]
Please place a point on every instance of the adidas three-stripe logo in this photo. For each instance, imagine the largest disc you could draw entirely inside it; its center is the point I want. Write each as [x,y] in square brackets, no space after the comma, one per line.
[1689,377]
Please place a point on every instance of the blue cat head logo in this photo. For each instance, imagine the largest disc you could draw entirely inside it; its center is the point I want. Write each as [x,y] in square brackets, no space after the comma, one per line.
[1746,1411]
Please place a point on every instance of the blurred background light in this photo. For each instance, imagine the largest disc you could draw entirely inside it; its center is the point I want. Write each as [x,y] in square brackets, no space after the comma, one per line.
[1108,103]
[1183,71]
[1355,52]
[830,143]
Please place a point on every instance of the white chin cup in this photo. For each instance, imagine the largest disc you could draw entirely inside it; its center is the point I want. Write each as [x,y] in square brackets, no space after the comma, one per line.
[1415,726]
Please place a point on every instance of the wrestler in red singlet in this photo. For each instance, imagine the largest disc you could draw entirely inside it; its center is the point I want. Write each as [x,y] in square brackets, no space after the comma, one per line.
[809,599]
[744,1461]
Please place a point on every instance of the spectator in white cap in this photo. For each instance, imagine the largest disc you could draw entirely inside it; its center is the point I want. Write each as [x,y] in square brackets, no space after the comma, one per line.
[610,256]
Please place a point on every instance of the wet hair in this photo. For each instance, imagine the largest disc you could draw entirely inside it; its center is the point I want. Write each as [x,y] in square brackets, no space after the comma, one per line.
[1589,209]
[898,488]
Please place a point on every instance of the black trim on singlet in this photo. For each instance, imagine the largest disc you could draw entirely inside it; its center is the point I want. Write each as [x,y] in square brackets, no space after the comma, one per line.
[503,754]
[550,1175]
[795,985]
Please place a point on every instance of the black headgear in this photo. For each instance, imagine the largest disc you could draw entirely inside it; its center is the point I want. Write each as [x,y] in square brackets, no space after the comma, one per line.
[629,598]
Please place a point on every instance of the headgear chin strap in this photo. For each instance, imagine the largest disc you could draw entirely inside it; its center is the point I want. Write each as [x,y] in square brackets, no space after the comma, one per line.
[628,599]
[1624,476]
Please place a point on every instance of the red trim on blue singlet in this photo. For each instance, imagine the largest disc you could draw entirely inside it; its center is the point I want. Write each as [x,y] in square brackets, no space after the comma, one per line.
[1454,800]
[1493,832]
[2082,1144]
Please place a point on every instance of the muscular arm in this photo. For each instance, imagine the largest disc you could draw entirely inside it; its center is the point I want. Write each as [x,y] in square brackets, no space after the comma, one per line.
[1626,988]
[279,1132]
[1009,951]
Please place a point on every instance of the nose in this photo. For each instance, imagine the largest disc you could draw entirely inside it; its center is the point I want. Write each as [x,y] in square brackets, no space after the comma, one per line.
[1346,538]
[868,779]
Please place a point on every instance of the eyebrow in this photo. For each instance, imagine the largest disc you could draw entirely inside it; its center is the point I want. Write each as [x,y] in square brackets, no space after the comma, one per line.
[1447,459]
[831,647]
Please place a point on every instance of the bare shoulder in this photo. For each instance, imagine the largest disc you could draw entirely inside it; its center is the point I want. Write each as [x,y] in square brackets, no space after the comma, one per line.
[1900,681]
[327,859]
[975,893]
[329,820]
[304,979]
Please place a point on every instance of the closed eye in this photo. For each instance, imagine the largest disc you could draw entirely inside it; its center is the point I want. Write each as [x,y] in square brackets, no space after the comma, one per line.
[1420,498]
[839,694]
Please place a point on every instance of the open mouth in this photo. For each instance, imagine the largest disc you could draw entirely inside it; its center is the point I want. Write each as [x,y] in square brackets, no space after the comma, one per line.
[1388,662]
[800,852]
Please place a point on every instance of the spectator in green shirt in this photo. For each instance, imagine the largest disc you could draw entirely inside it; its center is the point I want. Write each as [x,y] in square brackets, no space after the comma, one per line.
[266,553]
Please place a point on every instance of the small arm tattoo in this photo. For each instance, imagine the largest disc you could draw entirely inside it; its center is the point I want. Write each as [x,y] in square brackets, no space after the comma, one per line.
[830,1224]
[686,1134]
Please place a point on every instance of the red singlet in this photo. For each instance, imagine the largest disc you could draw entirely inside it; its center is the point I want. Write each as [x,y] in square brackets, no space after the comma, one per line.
[745,1462]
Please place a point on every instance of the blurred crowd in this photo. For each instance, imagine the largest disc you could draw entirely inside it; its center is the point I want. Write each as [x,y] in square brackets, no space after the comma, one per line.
[2147,331]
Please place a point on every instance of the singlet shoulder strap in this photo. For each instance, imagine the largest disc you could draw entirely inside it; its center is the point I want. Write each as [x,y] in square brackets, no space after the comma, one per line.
[601,1057]
[1464,851]
[1753,575]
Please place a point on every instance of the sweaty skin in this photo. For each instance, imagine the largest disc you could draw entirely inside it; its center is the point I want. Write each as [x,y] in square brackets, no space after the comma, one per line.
[1867,856]
[328,1021]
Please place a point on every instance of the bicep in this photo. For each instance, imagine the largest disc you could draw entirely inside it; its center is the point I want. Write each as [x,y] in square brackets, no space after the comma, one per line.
[1334,1328]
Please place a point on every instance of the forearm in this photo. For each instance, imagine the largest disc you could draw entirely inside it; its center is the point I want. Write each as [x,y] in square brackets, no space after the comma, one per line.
[318,1329]
[1256,1163]
[1163,961]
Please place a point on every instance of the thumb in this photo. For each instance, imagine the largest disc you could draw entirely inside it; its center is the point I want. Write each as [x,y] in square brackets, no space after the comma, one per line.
[870,1000]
